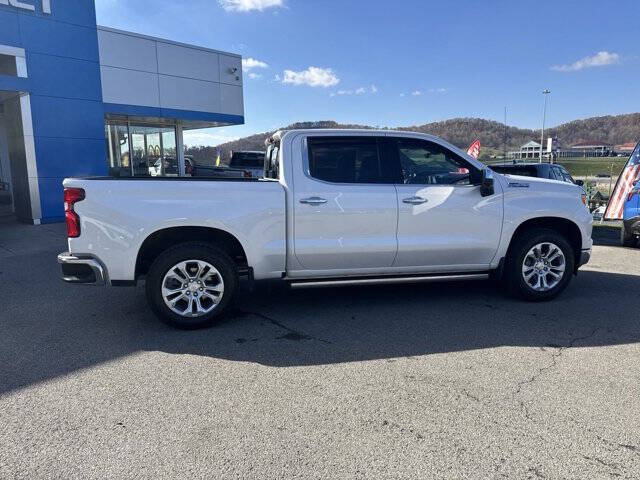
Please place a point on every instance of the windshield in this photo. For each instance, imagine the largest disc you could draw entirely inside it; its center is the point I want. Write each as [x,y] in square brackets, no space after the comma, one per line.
[247,159]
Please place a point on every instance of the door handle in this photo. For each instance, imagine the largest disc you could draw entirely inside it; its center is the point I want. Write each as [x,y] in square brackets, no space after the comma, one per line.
[313,201]
[415,200]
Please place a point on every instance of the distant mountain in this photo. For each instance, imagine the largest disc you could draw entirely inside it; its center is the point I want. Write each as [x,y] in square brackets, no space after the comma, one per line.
[462,132]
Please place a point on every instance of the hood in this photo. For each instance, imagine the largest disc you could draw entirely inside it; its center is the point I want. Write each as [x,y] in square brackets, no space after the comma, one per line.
[534,183]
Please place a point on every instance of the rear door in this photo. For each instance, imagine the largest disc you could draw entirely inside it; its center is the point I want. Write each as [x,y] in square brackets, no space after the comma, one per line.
[345,206]
[443,221]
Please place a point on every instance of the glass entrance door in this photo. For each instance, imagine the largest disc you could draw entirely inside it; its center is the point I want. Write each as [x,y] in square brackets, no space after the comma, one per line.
[141,150]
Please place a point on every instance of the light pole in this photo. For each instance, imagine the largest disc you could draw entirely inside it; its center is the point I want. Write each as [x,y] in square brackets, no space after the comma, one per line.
[545,92]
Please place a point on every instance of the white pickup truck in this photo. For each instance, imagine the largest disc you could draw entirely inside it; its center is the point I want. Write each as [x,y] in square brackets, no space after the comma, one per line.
[336,207]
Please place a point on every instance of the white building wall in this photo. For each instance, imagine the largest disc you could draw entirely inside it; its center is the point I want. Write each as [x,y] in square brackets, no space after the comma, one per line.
[145,71]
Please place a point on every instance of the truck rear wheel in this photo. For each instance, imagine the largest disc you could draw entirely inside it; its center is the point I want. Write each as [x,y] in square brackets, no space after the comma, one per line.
[540,265]
[190,285]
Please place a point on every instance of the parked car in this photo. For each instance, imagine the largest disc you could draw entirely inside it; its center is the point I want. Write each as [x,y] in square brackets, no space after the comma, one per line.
[552,171]
[251,161]
[336,208]
[598,214]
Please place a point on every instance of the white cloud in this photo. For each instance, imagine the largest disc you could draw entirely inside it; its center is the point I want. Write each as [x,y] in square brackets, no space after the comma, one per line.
[248,5]
[600,59]
[249,63]
[437,90]
[312,76]
[374,89]
[254,76]
[360,91]
[416,93]
[277,78]
[344,92]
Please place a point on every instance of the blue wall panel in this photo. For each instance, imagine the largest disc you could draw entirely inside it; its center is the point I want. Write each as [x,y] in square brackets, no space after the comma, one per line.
[40,35]
[78,12]
[64,77]
[9,29]
[51,199]
[65,157]
[69,118]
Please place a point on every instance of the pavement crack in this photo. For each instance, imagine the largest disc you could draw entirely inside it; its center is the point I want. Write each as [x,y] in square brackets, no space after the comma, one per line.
[470,395]
[559,350]
[291,334]
[633,448]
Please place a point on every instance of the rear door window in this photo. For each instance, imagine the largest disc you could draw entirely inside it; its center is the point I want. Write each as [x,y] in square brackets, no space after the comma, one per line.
[347,160]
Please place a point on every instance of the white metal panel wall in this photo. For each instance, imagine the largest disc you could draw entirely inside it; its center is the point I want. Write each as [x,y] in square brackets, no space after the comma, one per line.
[188,94]
[181,61]
[127,51]
[145,71]
[129,87]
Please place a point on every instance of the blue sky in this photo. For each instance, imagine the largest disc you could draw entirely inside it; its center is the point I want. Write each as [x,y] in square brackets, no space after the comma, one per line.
[408,62]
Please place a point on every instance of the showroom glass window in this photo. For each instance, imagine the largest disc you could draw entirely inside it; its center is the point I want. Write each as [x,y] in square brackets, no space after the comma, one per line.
[141,150]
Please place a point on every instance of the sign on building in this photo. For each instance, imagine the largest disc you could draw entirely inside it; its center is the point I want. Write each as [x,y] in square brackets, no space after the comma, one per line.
[46,5]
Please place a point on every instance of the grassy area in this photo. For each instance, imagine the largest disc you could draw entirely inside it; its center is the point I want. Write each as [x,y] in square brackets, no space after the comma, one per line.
[590,167]
[585,167]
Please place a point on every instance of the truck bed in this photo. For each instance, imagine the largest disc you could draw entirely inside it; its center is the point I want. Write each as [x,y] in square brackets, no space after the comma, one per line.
[119,214]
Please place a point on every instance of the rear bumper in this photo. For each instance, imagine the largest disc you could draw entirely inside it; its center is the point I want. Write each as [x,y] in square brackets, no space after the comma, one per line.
[82,269]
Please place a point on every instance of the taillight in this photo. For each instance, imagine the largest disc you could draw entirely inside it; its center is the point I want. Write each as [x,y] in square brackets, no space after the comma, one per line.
[71,197]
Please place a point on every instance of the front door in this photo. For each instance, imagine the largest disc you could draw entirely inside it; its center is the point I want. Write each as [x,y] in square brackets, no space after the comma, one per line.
[345,206]
[443,221]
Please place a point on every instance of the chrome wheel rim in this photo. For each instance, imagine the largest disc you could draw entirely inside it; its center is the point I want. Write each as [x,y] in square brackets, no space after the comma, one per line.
[192,288]
[543,266]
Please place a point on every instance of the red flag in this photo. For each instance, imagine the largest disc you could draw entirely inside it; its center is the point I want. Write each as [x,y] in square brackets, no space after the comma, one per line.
[474,149]
[630,174]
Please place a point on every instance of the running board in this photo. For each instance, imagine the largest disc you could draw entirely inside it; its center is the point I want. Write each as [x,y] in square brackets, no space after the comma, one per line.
[335,282]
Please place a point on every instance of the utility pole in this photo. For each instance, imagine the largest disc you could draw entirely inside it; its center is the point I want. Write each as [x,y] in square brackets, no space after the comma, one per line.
[504,140]
[610,178]
[545,92]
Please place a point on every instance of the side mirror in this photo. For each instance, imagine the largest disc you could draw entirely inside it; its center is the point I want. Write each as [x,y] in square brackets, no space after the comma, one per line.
[580,183]
[486,187]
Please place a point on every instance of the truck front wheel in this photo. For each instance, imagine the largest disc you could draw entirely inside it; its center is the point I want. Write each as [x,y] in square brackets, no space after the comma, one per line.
[190,285]
[539,265]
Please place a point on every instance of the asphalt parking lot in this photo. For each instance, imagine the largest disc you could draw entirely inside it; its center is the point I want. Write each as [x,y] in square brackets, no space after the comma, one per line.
[418,381]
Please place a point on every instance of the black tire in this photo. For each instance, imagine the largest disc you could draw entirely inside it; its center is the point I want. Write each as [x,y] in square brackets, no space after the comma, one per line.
[627,239]
[190,251]
[515,258]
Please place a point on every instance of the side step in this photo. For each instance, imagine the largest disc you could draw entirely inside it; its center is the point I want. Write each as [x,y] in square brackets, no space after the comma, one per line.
[335,282]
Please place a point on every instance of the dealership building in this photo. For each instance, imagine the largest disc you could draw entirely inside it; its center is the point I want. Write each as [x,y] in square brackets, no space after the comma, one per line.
[81,99]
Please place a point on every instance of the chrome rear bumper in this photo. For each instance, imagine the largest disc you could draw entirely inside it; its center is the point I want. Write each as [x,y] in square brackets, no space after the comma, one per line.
[82,269]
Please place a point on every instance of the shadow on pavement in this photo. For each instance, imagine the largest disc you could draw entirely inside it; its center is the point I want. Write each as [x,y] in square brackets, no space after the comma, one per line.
[48,329]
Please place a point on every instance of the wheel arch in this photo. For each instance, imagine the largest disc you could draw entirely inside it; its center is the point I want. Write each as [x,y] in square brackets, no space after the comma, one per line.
[567,228]
[162,239]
